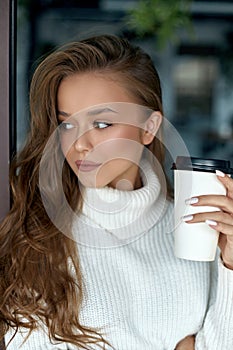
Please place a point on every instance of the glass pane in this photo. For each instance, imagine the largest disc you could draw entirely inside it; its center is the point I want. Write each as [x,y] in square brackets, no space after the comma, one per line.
[196,74]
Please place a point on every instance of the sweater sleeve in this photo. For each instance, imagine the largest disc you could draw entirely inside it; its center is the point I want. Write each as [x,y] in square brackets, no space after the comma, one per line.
[38,340]
[217,330]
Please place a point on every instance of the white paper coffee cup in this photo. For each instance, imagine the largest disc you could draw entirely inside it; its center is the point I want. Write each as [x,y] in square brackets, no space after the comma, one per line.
[194,177]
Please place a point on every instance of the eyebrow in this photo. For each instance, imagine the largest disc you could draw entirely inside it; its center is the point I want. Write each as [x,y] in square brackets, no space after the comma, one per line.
[63,114]
[99,111]
[89,113]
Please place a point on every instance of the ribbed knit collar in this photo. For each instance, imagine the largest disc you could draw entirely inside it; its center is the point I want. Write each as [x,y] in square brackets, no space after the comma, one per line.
[112,217]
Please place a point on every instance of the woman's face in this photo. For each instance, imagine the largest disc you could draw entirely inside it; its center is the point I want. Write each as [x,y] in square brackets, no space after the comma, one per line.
[101,146]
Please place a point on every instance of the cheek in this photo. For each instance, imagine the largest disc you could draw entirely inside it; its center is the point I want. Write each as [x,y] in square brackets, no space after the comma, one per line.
[116,149]
[129,132]
[68,153]
[126,143]
[66,144]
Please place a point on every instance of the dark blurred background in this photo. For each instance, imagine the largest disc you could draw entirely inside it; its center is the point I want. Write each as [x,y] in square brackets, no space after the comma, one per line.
[191,43]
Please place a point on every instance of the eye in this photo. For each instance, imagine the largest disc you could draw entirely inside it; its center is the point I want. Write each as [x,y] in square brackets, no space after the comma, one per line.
[101,125]
[65,126]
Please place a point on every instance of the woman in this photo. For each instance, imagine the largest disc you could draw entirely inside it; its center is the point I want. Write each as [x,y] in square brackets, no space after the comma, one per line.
[86,251]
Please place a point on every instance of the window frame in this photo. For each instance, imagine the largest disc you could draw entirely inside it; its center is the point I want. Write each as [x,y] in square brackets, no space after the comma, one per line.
[8,10]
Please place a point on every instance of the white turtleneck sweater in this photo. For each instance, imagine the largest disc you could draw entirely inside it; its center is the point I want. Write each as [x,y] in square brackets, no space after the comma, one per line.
[137,291]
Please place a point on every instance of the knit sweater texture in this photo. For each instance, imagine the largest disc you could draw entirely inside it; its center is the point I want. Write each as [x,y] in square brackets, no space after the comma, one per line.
[139,294]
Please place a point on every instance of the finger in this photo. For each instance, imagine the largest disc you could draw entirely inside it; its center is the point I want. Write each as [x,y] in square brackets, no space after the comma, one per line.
[222,202]
[220,221]
[217,216]
[221,227]
[226,181]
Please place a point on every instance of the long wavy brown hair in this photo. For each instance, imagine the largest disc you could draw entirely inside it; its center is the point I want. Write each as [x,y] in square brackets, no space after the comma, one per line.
[36,282]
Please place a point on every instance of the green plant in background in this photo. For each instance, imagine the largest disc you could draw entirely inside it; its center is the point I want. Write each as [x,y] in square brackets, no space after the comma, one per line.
[161,19]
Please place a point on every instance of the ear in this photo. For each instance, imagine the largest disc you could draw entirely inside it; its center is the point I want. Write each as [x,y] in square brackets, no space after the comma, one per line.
[151,127]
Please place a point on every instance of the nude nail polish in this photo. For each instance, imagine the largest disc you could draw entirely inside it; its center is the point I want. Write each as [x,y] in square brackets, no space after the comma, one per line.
[219,173]
[192,200]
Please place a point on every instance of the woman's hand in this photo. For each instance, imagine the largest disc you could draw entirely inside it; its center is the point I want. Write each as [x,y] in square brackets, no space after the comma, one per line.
[221,221]
[187,343]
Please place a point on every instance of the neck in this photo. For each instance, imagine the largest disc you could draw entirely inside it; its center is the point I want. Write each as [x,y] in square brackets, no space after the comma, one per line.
[130,180]
[112,217]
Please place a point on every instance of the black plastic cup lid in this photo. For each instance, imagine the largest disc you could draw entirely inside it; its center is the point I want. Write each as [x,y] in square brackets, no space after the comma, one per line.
[202,164]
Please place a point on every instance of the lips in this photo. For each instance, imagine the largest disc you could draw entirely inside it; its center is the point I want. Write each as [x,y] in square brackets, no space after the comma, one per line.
[86,166]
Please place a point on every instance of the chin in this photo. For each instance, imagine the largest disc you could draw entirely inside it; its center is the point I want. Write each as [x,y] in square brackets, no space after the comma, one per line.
[91,184]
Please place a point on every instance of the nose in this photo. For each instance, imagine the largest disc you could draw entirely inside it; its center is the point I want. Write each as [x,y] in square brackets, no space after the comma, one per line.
[83,143]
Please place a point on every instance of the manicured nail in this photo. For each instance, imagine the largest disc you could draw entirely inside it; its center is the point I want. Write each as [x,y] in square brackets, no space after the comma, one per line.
[192,200]
[219,173]
[211,222]
[187,217]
